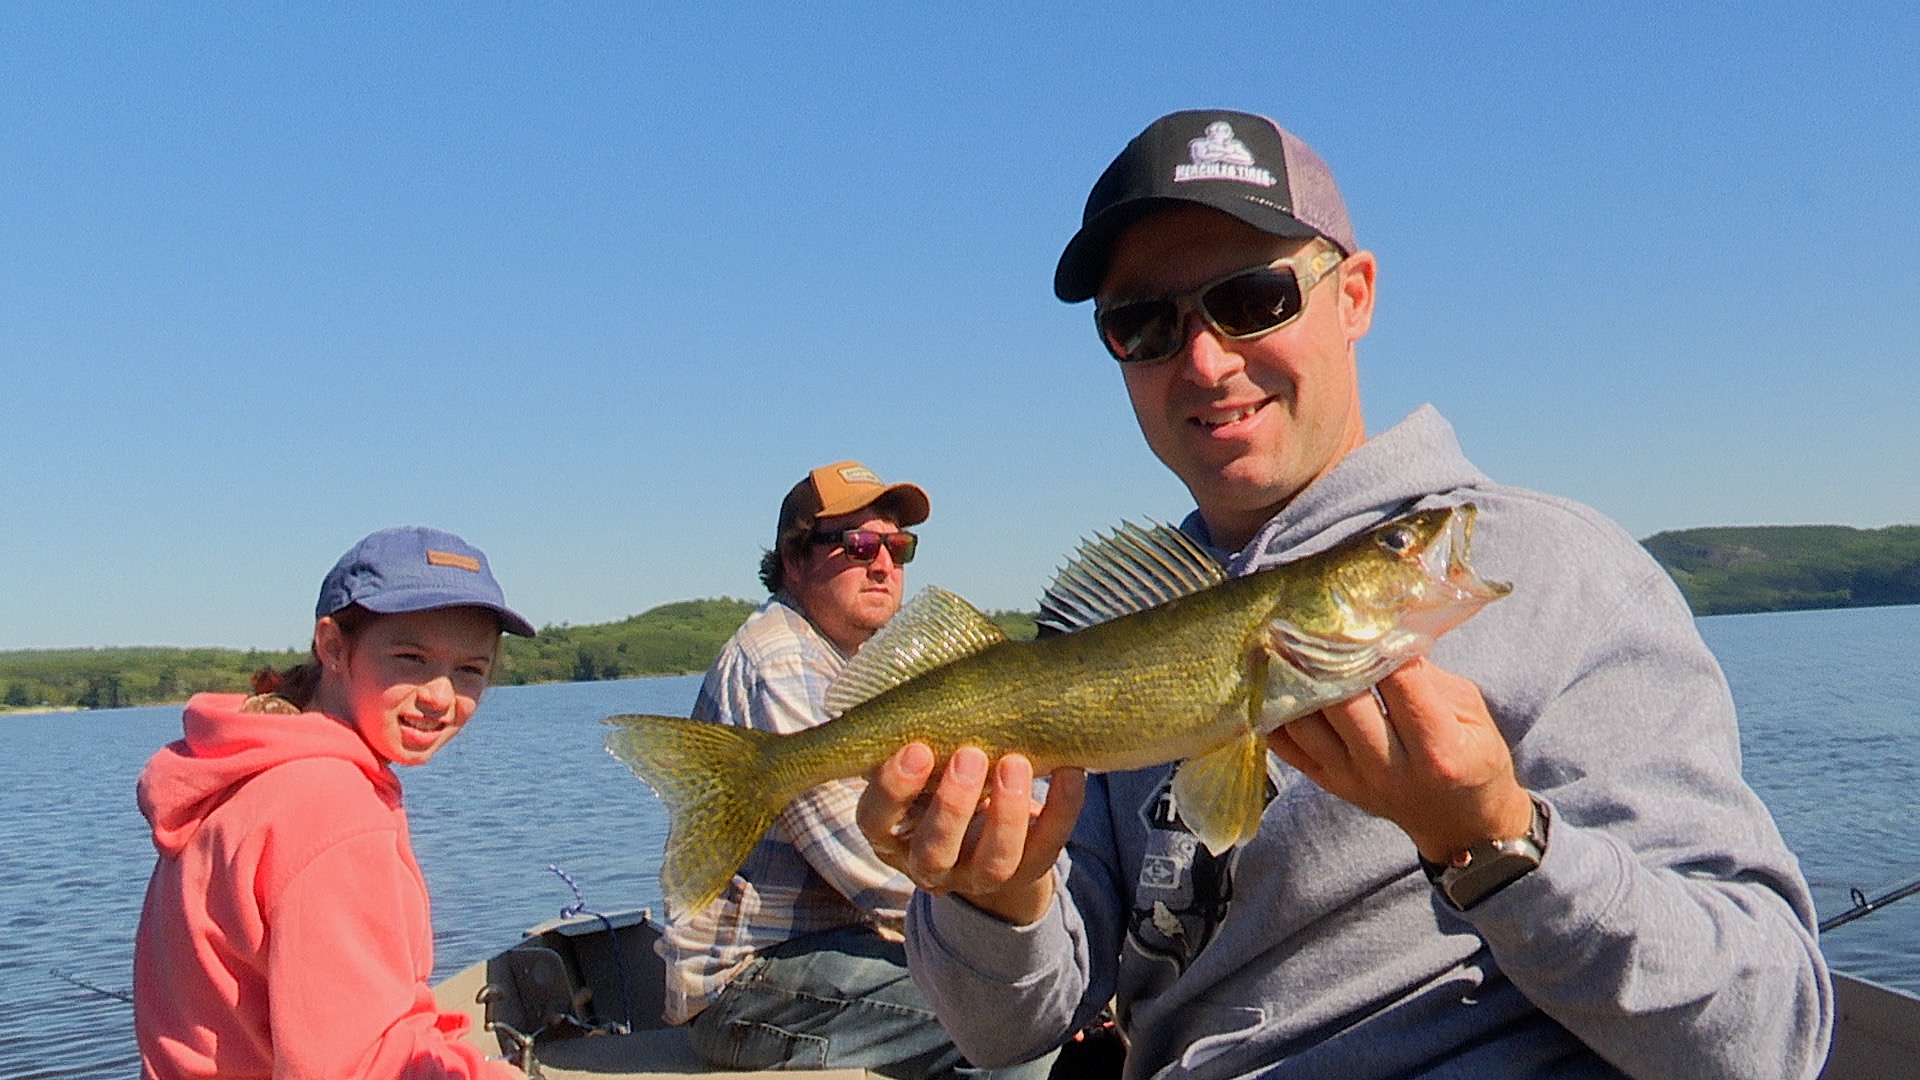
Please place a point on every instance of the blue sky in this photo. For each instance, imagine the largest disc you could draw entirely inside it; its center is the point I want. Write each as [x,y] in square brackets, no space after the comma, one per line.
[592,285]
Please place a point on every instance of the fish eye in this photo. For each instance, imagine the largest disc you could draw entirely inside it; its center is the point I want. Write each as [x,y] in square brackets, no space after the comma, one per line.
[1398,539]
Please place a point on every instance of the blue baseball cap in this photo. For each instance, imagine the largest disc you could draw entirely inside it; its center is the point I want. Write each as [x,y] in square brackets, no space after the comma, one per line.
[414,568]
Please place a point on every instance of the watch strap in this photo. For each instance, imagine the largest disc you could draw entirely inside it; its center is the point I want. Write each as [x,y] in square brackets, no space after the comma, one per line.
[1488,866]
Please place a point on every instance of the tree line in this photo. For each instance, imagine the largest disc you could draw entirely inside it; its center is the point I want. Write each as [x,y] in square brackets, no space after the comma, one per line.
[111,678]
[1722,571]
[672,639]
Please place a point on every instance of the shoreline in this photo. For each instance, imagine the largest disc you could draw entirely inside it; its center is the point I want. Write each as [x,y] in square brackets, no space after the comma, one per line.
[7,711]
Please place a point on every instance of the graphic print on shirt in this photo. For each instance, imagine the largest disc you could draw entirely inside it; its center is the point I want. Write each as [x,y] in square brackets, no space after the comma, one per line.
[1183,890]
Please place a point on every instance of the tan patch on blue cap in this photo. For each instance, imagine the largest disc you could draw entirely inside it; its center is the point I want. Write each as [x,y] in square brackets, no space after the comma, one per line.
[450,558]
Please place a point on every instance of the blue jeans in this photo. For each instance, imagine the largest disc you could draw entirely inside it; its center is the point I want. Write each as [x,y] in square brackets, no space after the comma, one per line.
[835,999]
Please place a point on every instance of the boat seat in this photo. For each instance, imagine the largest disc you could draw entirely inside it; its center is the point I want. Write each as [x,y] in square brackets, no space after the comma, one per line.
[531,992]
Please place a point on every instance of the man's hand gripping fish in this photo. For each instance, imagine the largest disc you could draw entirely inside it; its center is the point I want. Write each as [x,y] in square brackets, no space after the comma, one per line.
[1165,657]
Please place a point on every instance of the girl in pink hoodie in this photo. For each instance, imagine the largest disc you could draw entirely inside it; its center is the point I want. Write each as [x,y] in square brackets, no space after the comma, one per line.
[286,931]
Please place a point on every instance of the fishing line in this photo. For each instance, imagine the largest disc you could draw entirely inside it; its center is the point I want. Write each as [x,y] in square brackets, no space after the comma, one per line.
[579,907]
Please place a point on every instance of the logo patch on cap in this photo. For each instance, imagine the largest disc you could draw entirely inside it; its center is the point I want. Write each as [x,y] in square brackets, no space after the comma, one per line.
[449,558]
[858,474]
[1218,155]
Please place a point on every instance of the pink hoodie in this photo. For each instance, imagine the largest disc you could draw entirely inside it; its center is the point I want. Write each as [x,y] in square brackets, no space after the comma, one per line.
[286,930]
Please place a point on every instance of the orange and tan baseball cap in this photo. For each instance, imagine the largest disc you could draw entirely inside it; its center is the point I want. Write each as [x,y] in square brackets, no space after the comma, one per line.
[844,487]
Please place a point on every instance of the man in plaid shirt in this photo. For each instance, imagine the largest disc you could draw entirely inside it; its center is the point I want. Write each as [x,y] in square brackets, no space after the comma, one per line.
[799,963]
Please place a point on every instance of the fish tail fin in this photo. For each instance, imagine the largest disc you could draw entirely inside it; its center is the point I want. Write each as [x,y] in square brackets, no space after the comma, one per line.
[714,780]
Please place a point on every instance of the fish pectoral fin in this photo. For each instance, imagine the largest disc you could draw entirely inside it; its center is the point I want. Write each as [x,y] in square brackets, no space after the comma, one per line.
[1222,793]
[932,630]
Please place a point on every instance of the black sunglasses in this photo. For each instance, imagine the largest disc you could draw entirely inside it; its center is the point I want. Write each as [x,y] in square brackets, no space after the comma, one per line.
[863,545]
[1241,305]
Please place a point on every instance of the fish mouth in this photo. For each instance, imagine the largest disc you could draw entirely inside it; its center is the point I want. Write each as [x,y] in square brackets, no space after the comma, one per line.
[1446,561]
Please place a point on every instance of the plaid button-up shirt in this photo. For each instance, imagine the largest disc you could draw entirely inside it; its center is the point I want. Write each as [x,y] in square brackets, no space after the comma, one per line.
[813,870]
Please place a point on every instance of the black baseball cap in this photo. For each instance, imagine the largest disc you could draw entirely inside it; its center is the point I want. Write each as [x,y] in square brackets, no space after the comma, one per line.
[1235,162]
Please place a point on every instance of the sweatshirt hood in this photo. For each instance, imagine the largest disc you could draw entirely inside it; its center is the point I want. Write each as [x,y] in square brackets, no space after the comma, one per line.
[1387,475]
[223,748]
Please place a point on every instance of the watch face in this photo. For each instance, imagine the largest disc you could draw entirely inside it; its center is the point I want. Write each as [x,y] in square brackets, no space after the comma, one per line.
[1492,865]
[1487,876]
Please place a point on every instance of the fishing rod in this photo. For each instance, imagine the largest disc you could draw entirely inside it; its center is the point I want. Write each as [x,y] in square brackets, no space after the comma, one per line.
[1863,906]
[85,985]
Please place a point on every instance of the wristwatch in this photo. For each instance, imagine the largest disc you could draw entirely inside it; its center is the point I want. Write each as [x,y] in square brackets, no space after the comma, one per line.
[1491,865]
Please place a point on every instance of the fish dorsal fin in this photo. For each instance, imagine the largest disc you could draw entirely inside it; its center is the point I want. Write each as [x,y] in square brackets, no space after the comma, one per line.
[1131,570]
[934,629]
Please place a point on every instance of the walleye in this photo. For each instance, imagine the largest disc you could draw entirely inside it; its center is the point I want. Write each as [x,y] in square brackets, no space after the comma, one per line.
[1164,657]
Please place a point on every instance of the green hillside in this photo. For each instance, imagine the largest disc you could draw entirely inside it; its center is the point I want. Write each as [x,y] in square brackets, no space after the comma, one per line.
[1729,570]
[672,639]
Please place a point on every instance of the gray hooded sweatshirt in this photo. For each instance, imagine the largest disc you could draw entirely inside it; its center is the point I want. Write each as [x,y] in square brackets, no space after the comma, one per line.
[1667,934]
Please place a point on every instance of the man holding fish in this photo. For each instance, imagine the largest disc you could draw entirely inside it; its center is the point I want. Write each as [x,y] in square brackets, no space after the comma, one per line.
[1528,854]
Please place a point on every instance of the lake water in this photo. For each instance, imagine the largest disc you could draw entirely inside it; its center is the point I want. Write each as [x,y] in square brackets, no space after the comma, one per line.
[1829,701]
